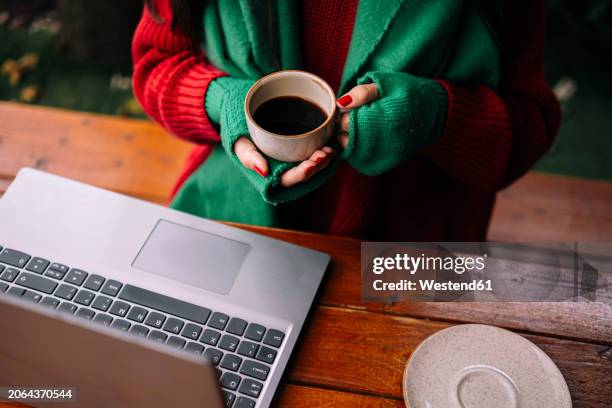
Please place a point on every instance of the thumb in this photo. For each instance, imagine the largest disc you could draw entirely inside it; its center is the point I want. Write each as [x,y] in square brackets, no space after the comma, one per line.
[358,96]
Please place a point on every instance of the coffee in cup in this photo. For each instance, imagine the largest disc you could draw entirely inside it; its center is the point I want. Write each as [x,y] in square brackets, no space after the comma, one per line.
[290,114]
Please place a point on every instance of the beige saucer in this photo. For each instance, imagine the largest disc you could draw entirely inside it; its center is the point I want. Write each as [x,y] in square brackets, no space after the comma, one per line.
[478,366]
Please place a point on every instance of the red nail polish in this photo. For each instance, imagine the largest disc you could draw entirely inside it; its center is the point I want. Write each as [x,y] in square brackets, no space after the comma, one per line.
[345,100]
[260,172]
[309,170]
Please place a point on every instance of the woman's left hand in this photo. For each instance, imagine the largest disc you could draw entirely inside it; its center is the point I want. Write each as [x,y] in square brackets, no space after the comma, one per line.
[356,97]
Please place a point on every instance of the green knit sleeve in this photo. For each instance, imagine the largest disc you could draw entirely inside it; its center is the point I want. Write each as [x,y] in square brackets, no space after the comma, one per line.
[214,96]
[408,116]
[225,106]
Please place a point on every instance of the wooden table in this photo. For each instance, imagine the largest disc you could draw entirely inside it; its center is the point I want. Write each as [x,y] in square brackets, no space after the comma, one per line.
[351,354]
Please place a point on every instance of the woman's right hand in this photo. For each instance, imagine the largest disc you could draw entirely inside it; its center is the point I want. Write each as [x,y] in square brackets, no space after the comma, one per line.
[253,160]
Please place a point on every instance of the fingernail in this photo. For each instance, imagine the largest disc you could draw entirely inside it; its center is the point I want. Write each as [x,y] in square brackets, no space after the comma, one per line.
[309,170]
[345,100]
[260,172]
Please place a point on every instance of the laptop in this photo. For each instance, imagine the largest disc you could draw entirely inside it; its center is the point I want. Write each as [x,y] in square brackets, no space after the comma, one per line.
[153,285]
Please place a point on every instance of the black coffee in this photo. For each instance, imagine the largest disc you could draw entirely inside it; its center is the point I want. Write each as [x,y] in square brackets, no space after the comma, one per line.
[289,115]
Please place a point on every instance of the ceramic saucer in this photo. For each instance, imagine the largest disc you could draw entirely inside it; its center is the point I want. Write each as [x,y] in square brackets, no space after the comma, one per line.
[478,366]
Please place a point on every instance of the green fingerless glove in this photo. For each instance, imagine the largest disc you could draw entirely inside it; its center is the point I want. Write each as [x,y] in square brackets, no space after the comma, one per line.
[408,116]
[225,105]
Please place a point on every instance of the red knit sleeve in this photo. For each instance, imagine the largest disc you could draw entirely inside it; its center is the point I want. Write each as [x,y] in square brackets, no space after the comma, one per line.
[491,139]
[171,77]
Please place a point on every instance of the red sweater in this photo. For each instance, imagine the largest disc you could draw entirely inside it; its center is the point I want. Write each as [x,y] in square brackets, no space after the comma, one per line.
[445,194]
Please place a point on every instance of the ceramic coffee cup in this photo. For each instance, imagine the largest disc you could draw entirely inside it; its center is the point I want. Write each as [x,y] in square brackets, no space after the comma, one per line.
[301,84]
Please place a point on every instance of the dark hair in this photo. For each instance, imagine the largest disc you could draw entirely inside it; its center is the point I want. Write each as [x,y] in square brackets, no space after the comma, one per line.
[186,17]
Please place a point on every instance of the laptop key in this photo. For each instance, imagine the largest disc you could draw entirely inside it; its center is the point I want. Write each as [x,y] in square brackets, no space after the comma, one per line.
[139,330]
[236,326]
[244,402]
[158,336]
[119,308]
[255,370]
[250,387]
[137,314]
[121,324]
[229,343]
[76,277]
[103,319]
[84,297]
[229,398]
[3,287]
[52,273]
[32,296]
[218,320]
[274,338]
[165,304]
[9,274]
[102,303]
[176,342]
[94,282]
[173,325]
[213,355]
[248,349]
[15,291]
[67,307]
[155,320]
[231,362]
[37,265]
[50,302]
[39,283]
[210,337]
[230,381]
[266,354]
[14,258]
[194,348]
[191,331]
[85,313]
[59,268]
[1,266]
[255,332]
[111,287]
[65,291]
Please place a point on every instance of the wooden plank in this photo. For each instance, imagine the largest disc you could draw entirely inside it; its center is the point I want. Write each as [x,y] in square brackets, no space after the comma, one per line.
[588,321]
[546,207]
[366,352]
[290,395]
[135,157]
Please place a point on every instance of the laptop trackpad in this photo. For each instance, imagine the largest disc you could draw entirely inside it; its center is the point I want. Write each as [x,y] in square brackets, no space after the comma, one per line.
[192,256]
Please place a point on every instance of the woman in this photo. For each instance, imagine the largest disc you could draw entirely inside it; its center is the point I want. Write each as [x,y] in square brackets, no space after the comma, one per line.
[444,104]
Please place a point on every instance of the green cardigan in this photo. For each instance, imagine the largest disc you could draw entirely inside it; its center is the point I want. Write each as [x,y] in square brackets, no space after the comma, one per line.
[399,44]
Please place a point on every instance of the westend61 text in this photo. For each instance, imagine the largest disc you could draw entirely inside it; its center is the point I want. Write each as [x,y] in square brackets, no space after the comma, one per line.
[430,284]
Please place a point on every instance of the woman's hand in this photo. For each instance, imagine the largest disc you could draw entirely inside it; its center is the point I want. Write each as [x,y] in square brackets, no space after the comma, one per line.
[252,159]
[356,97]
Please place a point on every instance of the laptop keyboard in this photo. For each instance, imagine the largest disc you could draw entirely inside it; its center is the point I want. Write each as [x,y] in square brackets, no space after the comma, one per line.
[242,351]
